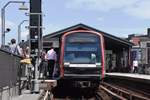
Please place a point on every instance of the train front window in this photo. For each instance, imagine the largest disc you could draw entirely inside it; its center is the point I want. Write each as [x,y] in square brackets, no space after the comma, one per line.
[82,48]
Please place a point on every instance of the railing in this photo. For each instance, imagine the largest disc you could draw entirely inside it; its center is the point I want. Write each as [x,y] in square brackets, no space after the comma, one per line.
[9,68]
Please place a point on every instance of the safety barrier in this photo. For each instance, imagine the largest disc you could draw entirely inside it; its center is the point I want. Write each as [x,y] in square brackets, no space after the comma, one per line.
[9,69]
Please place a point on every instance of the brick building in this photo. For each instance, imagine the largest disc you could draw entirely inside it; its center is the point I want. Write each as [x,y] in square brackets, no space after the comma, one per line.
[141,49]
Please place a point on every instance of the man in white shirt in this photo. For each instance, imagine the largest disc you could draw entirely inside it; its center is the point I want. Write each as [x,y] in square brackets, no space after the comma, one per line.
[52,58]
[135,66]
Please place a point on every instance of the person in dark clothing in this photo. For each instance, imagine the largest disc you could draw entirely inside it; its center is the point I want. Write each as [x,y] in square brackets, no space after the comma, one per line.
[43,65]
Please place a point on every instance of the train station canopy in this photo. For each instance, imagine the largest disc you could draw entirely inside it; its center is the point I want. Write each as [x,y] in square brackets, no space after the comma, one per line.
[111,41]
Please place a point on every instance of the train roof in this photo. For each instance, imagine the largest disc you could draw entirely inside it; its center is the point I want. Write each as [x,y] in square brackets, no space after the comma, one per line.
[83,26]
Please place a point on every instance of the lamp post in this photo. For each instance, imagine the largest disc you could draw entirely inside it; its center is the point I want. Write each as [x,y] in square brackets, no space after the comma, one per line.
[36,37]
[3,17]
[19,30]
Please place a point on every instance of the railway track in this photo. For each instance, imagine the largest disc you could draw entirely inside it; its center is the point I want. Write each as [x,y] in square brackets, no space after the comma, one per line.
[106,91]
[122,92]
[48,95]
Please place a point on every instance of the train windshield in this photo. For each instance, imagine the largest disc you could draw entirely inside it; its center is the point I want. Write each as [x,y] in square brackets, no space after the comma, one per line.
[82,48]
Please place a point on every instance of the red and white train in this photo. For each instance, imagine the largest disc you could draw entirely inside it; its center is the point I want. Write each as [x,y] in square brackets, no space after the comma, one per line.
[82,56]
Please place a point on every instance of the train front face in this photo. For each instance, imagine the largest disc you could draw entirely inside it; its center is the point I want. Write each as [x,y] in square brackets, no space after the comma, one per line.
[82,55]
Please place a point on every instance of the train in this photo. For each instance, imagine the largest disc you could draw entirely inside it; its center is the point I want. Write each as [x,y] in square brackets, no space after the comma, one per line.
[82,58]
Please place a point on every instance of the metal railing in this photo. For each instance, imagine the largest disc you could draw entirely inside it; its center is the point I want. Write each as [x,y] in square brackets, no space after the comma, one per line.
[9,69]
[9,64]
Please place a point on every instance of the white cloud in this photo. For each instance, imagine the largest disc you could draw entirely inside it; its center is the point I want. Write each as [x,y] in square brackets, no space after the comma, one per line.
[100,5]
[136,8]
[100,18]
[124,32]
[140,10]
[50,28]
[24,35]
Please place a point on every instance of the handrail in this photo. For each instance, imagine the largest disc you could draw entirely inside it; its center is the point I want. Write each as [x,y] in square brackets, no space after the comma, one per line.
[10,53]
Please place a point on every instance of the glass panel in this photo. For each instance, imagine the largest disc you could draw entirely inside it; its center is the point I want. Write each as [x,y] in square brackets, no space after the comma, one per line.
[84,51]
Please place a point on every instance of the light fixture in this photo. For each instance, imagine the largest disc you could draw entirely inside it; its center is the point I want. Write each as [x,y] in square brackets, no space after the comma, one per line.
[23,7]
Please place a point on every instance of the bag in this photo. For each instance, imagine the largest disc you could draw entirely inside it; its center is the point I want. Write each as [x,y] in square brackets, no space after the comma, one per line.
[26,61]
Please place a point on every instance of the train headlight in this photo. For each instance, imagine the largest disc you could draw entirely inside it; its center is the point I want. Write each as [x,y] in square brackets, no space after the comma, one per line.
[98,64]
[66,64]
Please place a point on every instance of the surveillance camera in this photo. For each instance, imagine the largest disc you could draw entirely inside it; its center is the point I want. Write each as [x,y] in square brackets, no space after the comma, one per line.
[7,29]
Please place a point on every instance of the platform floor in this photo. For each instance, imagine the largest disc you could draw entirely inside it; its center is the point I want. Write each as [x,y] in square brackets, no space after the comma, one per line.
[143,77]
[26,96]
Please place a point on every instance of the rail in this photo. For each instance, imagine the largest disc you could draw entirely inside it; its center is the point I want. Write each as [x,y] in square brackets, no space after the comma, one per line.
[9,64]
[47,86]
[122,93]
[9,68]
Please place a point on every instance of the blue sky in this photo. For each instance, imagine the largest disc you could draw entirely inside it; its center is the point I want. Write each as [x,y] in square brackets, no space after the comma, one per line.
[117,17]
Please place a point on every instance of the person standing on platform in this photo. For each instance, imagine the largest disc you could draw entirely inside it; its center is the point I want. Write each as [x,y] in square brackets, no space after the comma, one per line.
[43,65]
[14,48]
[52,58]
[135,66]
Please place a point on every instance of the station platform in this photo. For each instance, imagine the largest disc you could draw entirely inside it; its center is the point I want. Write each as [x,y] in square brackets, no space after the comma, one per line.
[130,76]
[26,96]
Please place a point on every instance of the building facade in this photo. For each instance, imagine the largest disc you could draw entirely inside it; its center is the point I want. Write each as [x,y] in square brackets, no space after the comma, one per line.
[117,50]
[141,50]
